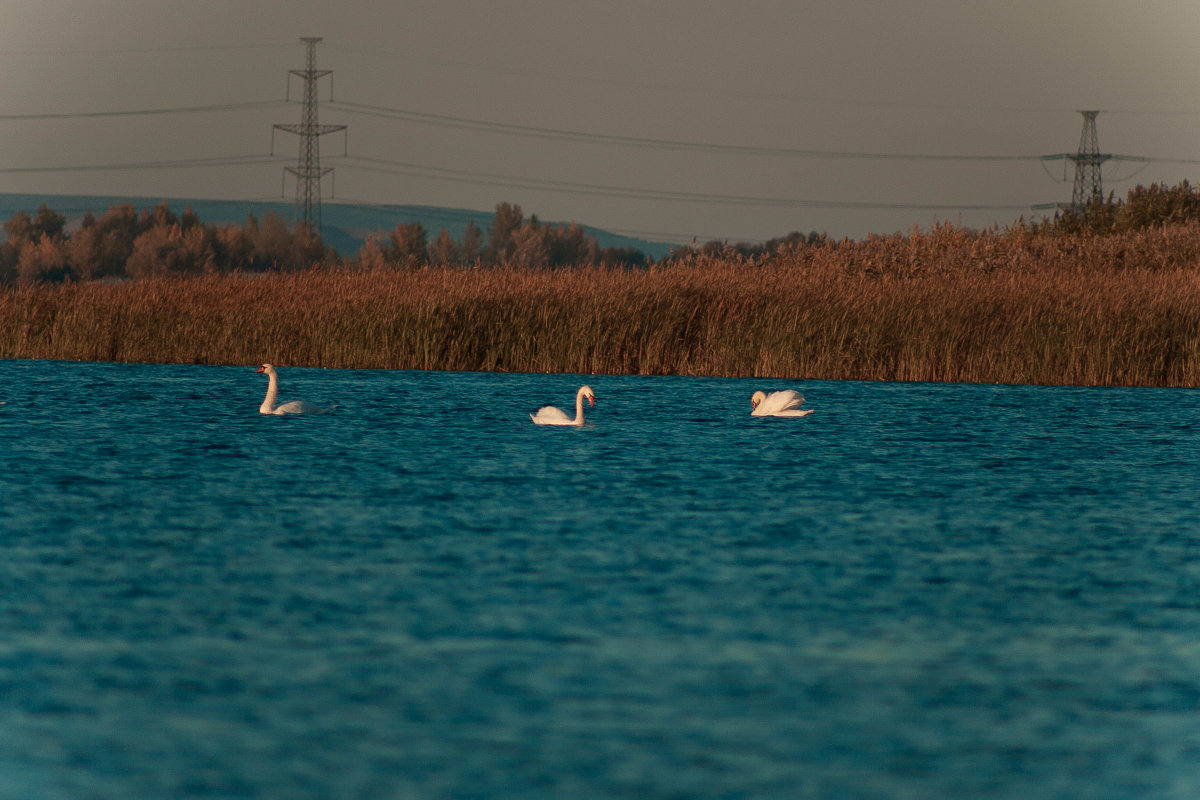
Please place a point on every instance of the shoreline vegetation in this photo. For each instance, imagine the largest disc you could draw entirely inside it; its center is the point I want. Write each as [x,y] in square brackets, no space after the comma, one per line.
[1109,296]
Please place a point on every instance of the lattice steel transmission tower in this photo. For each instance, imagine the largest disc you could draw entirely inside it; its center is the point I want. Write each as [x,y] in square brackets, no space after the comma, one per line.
[308,170]
[1088,186]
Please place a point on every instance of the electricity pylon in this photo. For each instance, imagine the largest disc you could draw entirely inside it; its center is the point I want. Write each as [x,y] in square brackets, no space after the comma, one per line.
[1088,185]
[308,169]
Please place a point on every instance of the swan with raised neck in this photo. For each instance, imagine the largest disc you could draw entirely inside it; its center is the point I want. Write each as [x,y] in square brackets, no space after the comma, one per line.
[292,406]
[549,415]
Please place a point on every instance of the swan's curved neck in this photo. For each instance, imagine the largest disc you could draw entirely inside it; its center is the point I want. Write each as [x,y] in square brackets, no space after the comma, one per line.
[268,403]
[579,407]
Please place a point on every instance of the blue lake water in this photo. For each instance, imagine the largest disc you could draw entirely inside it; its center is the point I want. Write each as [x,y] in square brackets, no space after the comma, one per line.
[917,591]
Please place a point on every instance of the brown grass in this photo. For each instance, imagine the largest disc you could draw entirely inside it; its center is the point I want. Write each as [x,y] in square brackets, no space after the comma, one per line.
[942,305]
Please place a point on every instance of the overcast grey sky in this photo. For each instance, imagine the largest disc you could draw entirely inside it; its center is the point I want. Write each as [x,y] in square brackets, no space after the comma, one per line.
[596,112]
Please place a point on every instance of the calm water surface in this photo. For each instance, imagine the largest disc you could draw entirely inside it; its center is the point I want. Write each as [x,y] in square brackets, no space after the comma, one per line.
[918,591]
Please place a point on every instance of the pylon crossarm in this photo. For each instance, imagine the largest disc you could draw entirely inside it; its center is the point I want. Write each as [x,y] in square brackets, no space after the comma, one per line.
[308,170]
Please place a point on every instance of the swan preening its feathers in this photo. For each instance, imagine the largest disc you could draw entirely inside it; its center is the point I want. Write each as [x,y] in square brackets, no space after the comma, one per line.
[778,404]
[292,406]
[549,415]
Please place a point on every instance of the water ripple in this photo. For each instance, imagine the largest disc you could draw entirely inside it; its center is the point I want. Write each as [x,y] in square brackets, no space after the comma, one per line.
[917,591]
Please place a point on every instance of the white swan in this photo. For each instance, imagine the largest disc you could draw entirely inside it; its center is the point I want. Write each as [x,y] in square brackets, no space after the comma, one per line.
[549,415]
[778,404]
[292,406]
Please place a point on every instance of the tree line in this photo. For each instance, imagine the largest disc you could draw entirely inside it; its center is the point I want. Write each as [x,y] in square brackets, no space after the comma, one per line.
[1143,207]
[123,243]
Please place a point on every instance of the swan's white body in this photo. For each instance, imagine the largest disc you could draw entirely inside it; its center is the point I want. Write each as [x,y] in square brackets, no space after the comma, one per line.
[778,404]
[549,415]
[292,406]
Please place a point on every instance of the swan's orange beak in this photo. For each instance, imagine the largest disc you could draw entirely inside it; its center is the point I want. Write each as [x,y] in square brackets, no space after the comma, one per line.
[591,402]
[260,369]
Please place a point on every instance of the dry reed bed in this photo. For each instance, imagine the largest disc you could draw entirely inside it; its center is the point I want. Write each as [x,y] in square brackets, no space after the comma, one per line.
[944,305]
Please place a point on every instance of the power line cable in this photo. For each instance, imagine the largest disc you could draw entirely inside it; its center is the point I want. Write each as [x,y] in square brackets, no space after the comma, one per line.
[465,123]
[127,50]
[638,141]
[583,136]
[251,104]
[224,161]
[489,179]
[608,82]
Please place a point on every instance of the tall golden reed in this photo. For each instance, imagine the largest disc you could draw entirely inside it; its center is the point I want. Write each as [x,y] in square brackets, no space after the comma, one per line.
[943,305]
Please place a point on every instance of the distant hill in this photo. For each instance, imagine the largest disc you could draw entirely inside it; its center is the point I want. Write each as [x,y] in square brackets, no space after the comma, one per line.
[344,226]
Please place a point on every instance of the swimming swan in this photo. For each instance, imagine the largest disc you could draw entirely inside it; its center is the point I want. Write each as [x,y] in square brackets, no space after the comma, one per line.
[778,404]
[292,406]
[549,415]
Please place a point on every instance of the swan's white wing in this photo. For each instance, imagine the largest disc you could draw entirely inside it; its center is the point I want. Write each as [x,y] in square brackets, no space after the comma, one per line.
[549,415]
[785,400]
